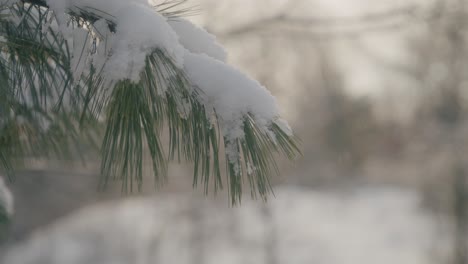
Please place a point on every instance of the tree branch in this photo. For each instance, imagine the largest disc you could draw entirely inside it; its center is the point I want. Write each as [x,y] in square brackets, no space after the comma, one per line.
[331,27]
[79,12]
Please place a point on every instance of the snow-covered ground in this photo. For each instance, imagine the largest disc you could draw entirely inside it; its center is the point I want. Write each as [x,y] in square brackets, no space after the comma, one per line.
[364,225]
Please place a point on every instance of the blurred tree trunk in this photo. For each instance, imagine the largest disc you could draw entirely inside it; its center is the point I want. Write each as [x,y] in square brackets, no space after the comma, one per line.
[198,231]
[271,248]
[452,117]
[460,213]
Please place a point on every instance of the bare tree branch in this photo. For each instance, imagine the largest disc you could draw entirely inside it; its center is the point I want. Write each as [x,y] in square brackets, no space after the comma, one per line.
[320,28]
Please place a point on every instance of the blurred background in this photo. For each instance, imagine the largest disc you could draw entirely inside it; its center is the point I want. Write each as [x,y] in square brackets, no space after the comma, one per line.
[376,90]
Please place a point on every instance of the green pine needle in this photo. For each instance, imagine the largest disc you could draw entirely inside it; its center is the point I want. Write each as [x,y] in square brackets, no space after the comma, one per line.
[45,112]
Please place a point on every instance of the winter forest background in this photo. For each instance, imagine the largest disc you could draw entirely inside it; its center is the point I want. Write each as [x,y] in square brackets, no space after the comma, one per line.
[376,90]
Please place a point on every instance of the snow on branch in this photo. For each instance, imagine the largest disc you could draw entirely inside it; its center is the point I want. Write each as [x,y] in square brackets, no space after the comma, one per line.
[140,30]
[140,64]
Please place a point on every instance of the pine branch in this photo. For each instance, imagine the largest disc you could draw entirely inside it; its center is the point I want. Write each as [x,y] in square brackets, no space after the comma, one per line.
[60,109]
[42,3]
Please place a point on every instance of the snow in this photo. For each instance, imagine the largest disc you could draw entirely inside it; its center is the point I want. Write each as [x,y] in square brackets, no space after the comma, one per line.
[284,126]
[140,29]
[232,93]
[103,49]
[6,198]
[197,40]
[362,225]
[136,38]
[108,8]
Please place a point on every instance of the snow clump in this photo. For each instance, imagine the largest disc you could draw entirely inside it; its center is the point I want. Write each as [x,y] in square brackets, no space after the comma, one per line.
[140,29]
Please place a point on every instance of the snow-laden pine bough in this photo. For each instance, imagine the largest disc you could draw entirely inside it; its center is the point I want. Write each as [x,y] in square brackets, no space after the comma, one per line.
[70,67]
